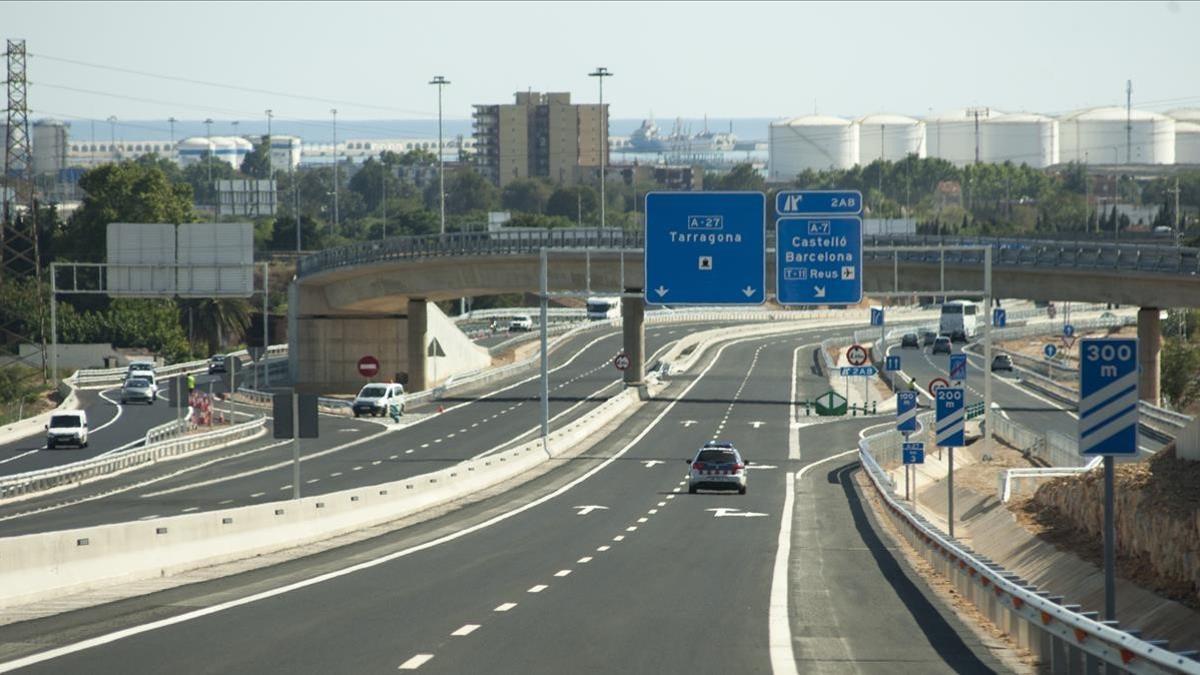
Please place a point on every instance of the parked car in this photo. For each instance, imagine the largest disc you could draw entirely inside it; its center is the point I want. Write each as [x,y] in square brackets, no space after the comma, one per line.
[910,340]
[139,388]
[67,427]
[942,345]
[1002,362]
[520,323]
[375,398]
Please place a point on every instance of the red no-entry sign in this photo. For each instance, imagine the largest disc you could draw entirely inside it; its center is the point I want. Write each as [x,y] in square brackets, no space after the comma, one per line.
[368,366]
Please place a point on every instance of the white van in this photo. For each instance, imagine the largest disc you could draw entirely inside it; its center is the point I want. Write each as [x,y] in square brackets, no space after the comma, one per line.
[67,427]
[601,308]
[959,320]
[375,398]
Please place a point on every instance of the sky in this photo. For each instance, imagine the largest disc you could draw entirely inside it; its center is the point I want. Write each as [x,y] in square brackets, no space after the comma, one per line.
[743,59]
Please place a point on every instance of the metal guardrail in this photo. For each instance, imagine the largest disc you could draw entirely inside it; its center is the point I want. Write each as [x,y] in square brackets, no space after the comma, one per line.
[44,479]
[1066,639]
[91,377]
[1019,253]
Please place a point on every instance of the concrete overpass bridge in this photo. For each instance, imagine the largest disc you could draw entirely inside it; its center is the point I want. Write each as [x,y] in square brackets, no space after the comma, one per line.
[374,296]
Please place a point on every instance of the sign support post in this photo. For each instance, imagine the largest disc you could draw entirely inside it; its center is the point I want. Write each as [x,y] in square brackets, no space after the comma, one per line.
[987,348]
[1110,543]
[951,415]
[295,445]
[544,283]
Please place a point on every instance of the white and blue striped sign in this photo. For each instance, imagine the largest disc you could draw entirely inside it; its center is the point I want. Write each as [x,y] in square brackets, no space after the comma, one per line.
[859,371]
[951,417]
[958,367]
[999,317]
[892,363]
[1108,397]
[906,411]
[914,453]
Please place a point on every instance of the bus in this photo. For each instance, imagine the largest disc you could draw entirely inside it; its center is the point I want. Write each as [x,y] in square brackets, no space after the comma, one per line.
[601,308]
[959,320]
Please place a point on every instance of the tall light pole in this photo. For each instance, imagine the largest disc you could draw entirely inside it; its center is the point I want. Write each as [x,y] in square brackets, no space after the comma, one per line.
[600,73]
[112,136]
[441,82]
[333,225]
[271,164]
[171,121]
[209,154]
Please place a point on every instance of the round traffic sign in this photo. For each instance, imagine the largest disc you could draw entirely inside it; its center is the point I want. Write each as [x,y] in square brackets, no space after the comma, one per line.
[937,383]
[368,366]
[1049,350]
[856,355]
[1051,311]
[621,361]
[1068,330]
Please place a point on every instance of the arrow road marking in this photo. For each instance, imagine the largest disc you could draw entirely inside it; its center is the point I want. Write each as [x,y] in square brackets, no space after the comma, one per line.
[722,512]
[748,291]
[756,424]
[687,423]
[818,291]
[651,462]
[584,510]
[661,291]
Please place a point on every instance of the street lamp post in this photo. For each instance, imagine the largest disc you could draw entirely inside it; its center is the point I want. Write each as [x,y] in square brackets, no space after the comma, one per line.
[333,225]
[441,82]
[270,163]
[112,136]
[171,121]
[600,73]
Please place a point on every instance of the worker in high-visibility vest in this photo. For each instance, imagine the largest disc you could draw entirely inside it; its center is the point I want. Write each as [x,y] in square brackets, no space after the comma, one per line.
[191,382]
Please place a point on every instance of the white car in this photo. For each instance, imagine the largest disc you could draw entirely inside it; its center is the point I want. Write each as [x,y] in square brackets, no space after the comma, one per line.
[374,399]
[139,388]
[68,427]
[140,368]
[717,466]
[520,323]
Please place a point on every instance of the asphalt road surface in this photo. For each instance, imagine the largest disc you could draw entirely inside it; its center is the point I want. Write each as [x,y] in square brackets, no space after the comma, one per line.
[605,564]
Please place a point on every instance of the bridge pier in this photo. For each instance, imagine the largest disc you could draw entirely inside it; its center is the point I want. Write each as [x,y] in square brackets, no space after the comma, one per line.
[1149,333]
[418,326]
[633,315]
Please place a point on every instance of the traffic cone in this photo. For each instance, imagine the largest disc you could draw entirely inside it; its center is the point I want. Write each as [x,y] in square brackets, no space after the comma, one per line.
[441,408]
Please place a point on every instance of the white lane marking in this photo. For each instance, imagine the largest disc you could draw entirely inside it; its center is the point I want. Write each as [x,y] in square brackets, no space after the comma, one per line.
[757,423]
[285,487]
[114,636]
[415,662]
[437,440]
[631,528]
[562,573]
[779,628]
[408,452]
[651,462]
[584,510]
[256,495]
[505,607]
[584,560]
[672,496]
[357,468]
[116,417]
[725,512]
[451,435]
[377,462]
[688,423]
[661,504]
[90,432]
[474,424]
[16,457]
[467,629]
[335,474]
[222,503]
[537,589]
[652,511]
[602,549]
[312,480]
[619,537]
[190,509]
[148,517]
[642,520]
[424,445]
[673,490]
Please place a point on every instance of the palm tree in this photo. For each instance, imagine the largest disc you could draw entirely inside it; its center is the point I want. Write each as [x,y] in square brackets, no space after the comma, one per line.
[217,321]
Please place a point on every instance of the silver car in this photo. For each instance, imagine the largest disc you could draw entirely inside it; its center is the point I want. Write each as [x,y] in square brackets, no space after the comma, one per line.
[717,466]
[139,389]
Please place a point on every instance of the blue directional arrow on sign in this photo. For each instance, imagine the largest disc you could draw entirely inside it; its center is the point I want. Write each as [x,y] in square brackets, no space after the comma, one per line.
[906,411]
[958,367]
[705,248]
[951,417]
[1108,397]
[818,202]
[818,261]
[1049,350]
[892,363]
[999,317]
[1068,330]
[876,316]
[914,453]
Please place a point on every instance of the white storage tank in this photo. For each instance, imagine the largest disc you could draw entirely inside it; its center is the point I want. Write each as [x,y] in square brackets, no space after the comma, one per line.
[49,146]
[285,152]
[242,147]
[1185,115]
[951,135]
[192,150]
[1187,143]
[1098,136]
[889,137]
[226,150]
[1020,138]
[816,142]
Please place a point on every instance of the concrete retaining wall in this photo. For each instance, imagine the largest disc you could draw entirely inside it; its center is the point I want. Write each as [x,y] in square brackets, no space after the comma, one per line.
[462,354]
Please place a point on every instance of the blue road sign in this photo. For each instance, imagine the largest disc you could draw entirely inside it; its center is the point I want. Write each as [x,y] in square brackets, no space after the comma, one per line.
[951,417]
[906,411]
[958,367]
[1108,397]
[818,202]
[855,371]
[1068,330]
[892,363]
[999,317]
[818,261]
[705,248]
[876,316]
[1049,350]
[914,453]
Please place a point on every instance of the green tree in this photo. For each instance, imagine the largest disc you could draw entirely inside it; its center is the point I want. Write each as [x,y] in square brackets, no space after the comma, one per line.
[575,203]
[123,193]
[741,177]
[526,195]
[1180,372]
[466,191]
[198,176]
[217,322]
[257,163]
[369,183]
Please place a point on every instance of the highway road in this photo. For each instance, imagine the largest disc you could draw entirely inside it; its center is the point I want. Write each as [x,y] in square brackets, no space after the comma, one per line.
[604,564]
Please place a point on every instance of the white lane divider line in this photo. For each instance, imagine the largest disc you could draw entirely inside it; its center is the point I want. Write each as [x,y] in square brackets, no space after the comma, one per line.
[408,452]
[652,511]
[661,504]
[357,468]
[424,445]
[672,496]
[415,662]
[310,481]
[256,495]
[643,519]
[779,627]
[619,537]
[190,509]
[631,528]
[377,462]
[562,573]
[148,517]
[285,487]
[602,549]
[537,589]
[451,435]
[505,607]
[335,474]
[224,502]
[466,630]
[584,560]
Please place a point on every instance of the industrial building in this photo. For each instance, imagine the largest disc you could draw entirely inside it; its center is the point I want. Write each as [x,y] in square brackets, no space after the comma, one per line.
[811,143]
[540,135]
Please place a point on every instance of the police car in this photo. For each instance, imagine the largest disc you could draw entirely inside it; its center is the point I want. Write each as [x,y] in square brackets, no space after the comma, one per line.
[717,466]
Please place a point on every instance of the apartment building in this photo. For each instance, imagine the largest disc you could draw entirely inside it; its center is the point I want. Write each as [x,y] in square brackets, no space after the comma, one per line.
[540,135]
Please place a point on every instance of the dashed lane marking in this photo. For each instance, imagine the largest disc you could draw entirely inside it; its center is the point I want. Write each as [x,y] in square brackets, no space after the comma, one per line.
[505,607]
[466,630]
[538,589]
[415,662]
[562,573]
